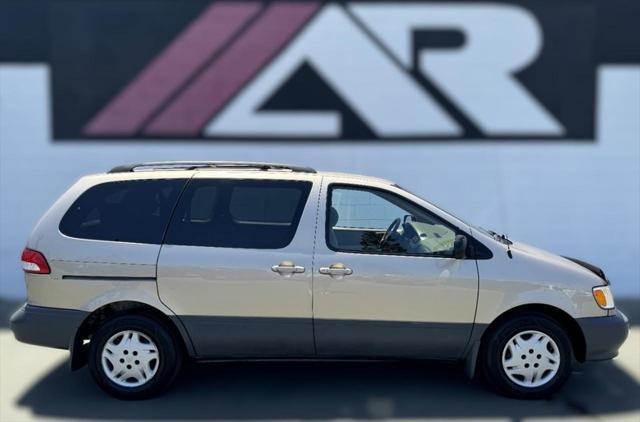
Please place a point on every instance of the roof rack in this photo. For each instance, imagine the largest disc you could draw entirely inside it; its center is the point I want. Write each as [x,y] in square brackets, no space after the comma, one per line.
[193,165]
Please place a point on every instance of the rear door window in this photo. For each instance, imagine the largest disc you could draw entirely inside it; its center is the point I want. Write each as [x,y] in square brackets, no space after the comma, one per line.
[259,214]
[126,211]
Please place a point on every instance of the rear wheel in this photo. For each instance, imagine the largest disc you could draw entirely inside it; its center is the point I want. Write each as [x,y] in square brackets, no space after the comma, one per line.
[529,356]
[134,357]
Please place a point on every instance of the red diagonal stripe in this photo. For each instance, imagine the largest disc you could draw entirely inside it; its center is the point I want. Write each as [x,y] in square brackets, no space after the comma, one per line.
[127,112]
[223,78]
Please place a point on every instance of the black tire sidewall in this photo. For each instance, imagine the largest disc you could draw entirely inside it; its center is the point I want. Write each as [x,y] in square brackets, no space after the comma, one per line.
[168,351]
[494,371]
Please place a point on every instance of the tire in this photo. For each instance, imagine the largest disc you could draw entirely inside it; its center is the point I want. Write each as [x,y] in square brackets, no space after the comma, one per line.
[527,357]
[133,357]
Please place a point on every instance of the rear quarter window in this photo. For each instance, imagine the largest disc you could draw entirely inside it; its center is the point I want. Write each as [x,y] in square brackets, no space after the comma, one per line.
[256,214]
[125,211]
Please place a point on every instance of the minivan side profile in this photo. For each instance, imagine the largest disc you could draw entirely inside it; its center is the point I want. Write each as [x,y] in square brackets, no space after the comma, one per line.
[139,268]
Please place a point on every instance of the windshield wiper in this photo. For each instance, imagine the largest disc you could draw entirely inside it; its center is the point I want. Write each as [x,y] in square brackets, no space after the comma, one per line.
[502,238]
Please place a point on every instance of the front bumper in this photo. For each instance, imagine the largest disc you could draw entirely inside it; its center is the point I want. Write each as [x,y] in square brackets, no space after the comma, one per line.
[43,326]
[604,335]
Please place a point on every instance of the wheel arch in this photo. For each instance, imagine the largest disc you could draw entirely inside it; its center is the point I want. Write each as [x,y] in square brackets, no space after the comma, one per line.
[566,321]
[79,348]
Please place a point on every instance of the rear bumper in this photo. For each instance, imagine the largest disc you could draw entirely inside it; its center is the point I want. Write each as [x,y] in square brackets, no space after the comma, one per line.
[42,326]
[604,335]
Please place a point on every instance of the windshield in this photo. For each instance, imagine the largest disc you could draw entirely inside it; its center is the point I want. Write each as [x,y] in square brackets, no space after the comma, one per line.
[500,238]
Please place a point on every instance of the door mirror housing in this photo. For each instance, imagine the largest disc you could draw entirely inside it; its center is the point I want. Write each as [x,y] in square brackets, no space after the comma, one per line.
[460,247]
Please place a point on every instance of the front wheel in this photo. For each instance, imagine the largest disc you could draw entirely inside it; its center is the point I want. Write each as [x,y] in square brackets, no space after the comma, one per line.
[529,356]
[133,357]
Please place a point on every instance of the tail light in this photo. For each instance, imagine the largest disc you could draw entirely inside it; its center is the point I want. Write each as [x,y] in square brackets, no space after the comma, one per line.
[34,262]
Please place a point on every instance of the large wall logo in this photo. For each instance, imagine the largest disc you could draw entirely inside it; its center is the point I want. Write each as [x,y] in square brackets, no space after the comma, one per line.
[364,55]
[333,70]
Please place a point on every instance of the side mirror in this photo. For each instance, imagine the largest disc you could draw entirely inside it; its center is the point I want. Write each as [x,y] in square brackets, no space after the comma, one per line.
[460,247]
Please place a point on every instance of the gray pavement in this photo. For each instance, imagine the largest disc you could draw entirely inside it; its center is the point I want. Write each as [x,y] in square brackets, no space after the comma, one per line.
[35,384]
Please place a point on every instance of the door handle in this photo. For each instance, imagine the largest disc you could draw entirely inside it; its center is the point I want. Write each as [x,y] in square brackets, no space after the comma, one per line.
[336,270]
[287,268]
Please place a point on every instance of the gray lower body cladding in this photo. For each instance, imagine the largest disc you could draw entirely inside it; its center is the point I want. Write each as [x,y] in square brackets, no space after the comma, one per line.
[254,337]
[604,335]
[391,339]
[43,326]
[249,337]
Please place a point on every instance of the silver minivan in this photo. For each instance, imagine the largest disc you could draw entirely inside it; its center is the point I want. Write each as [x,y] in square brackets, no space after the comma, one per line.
[139,268]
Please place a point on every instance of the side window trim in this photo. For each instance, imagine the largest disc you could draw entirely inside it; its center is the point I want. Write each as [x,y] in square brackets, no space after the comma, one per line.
[328,204]
[173,210]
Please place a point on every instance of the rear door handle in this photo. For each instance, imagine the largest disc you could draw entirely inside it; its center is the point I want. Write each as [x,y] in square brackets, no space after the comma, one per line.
[336,270]
[287,268]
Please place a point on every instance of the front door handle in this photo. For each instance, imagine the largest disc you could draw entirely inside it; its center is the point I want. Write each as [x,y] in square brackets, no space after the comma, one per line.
[336,270]
[287,268]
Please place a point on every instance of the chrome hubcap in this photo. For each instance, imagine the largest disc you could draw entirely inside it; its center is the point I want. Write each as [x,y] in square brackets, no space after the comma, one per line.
[531,359]
[130,358]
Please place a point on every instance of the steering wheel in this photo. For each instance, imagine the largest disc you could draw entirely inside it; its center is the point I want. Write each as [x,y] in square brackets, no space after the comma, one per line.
[392,228]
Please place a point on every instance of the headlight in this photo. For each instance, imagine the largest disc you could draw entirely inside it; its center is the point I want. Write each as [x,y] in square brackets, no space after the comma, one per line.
[603,297]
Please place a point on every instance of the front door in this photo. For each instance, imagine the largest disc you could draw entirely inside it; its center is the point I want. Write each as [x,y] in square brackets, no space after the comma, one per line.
[386,284]
[235,266]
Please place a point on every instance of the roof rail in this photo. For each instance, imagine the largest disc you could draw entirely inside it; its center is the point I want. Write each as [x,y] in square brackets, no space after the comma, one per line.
[193,165]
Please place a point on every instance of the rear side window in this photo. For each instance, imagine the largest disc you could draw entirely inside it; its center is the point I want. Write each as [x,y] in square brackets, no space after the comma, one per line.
[253,214]
[129,211]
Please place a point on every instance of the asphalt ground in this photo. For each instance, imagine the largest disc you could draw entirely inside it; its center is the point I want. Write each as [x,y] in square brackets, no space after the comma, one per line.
[36,384]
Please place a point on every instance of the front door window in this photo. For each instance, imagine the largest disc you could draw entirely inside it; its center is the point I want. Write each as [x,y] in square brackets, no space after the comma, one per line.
[369,220]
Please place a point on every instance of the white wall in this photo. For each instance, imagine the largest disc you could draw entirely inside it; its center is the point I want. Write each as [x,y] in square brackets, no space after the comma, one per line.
[575,198]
